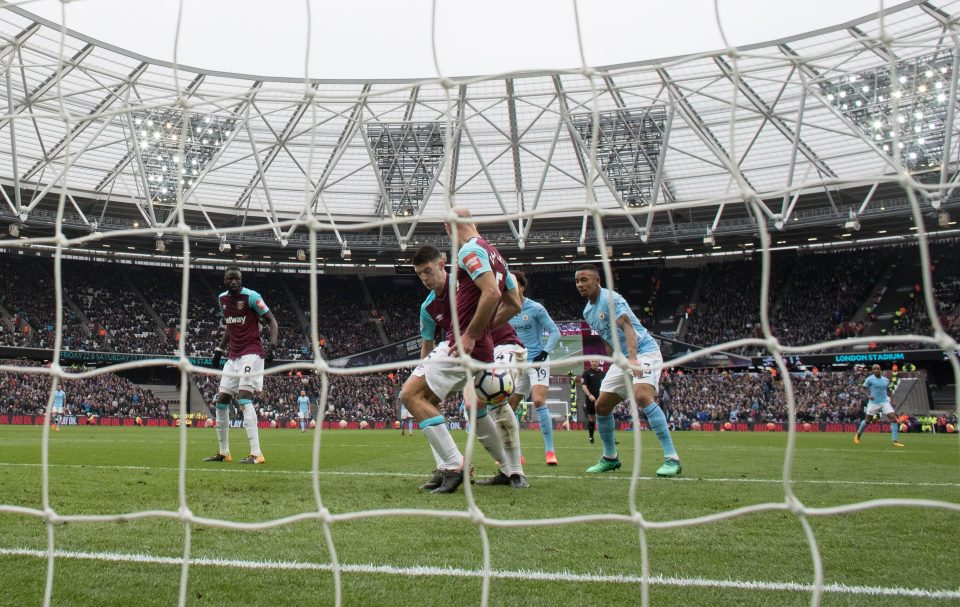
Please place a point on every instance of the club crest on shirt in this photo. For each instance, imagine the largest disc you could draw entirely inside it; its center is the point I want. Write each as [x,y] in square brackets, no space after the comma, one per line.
[525,317]
[240,305]
[602,316]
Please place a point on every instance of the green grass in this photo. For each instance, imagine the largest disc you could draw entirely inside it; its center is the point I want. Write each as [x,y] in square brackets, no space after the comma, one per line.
[115,470]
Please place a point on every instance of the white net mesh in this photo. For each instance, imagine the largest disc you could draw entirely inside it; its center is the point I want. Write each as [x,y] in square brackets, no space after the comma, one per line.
[744,169]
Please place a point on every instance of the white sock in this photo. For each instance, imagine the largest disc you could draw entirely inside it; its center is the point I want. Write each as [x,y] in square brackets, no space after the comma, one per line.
[223,429]
[489,437]
[253,431]
[509,431]
[437,458]
[445,451]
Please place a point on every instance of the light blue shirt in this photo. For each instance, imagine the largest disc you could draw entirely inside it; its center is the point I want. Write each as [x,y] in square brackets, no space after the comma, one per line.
[59,398]
[597,315]
[530,324]
[428,326]
[304,403]
[878,389]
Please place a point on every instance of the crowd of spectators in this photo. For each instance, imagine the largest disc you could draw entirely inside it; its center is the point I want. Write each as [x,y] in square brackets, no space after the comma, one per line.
[729,301]
[722,396]
[912,318]
[372,397]
[824,292]
[397,302]
[28,298]
[345,321]
[106,394]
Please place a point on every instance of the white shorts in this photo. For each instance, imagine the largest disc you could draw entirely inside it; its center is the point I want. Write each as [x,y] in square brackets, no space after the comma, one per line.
[650,365]
[303,414]
[444,373]
[404,413]
[528,378]
[873,407]
[250,368]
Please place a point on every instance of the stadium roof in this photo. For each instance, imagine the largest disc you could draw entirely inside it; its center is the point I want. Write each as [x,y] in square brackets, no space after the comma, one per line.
[818,126]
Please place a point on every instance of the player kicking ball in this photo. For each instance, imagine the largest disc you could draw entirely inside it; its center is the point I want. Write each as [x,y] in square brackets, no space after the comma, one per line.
[242,310]
[879,387]
[636,344]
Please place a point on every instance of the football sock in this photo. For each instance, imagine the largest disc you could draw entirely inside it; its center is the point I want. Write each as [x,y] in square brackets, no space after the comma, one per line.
[590,428]
[658,423]
[445,451]
[895,430]
[605,426]
[863,426]
[223,427]
[250,425]
[546,427]
[489,437]
[509,431]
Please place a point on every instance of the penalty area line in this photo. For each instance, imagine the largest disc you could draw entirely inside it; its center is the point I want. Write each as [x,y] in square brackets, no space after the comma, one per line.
[427,571]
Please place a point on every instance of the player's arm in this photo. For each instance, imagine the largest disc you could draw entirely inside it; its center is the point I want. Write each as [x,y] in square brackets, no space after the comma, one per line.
[486,306]
[510,303]
[426,347]
[554,331]
[428,331]
[586,390]
[630,336]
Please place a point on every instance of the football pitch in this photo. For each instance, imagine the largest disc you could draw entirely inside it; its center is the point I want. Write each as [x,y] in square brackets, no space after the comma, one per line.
[881,556]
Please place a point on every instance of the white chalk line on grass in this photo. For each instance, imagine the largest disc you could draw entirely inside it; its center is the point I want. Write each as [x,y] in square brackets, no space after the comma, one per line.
[610,477]
[547,576]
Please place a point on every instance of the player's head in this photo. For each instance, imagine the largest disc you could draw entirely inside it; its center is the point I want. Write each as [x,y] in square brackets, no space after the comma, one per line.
[233,279]
[303,392]
[521,279]
[876,370]
[594,364]
[428,264]
[588,280]
[466,228]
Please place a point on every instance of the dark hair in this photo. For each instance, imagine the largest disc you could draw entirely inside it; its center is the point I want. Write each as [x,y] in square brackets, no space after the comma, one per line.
[233,269]
[589,267]
[426,254]
[521,279]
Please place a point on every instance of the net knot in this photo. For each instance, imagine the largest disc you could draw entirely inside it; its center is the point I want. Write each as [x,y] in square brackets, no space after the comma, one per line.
[325,516]
[184,514]
[795,505]
[588,72]
[446,83]
[476,515]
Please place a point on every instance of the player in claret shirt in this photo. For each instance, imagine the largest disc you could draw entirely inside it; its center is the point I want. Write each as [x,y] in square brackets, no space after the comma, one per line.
[242,310]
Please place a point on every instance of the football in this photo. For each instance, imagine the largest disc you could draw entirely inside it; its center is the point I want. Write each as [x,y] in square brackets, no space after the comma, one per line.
[494,387]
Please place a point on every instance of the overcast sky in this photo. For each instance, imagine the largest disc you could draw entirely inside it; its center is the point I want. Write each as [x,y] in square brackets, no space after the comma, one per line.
[366,39]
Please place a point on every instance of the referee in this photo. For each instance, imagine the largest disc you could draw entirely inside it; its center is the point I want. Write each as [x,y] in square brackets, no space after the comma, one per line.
[590,384]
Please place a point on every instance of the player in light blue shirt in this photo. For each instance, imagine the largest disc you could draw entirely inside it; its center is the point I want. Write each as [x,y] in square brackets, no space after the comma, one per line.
[639,347]
[879,387]
[303,412]
[530,324]
[59,402]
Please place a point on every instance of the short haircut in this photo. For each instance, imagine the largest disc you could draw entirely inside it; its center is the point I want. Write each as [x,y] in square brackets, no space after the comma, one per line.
[589,267]
[233,269]
[426,254]
[521,279]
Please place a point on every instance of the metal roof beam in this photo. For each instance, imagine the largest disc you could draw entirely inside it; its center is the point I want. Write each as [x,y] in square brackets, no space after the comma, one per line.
[83,124]
[770,115]
[515,148]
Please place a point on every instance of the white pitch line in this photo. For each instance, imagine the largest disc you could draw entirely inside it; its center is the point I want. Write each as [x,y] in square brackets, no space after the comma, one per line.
[609,477]
[550,576]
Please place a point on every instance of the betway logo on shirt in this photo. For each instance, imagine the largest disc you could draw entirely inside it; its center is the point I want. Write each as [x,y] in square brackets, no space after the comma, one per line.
[236,320]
